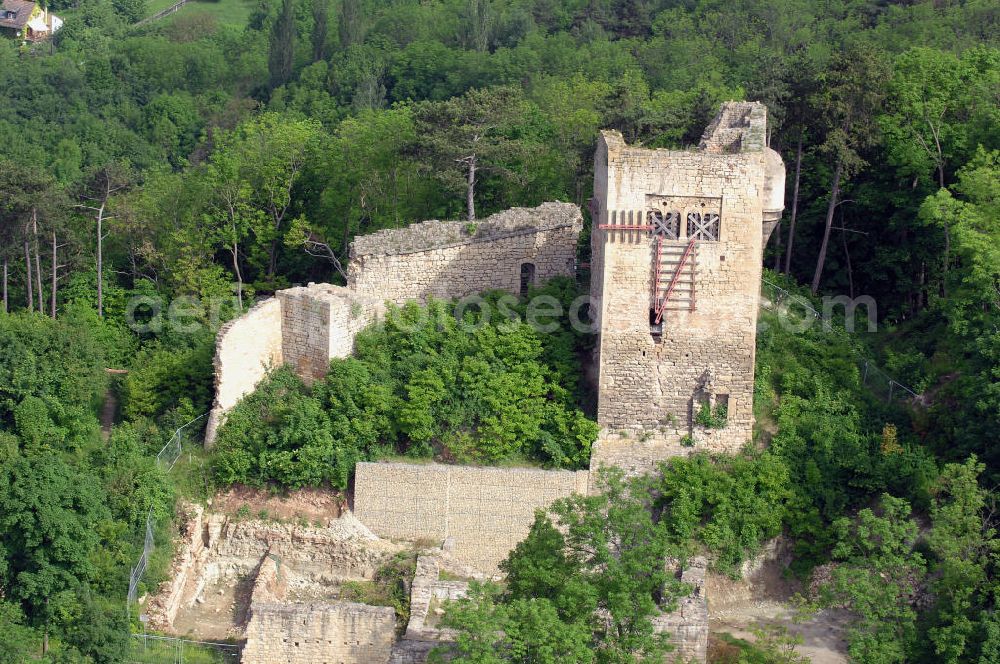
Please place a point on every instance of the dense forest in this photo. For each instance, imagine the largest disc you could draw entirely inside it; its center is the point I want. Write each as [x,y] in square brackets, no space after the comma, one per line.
[156,177]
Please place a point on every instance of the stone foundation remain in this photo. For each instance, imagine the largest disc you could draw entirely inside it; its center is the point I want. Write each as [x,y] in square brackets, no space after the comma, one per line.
[222,567]
[688,624]
[338,633]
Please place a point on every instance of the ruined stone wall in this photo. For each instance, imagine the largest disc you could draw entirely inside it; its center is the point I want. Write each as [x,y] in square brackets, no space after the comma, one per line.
[688,625]
[307,326]
[336,633]
[485,511]
[187,564]
[656,382]
[319,322]
[449,259]
[245,349]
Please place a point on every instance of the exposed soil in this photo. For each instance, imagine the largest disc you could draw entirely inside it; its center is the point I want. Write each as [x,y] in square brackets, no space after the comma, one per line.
[739,607]
[312,505]
[219,613]
[823,635]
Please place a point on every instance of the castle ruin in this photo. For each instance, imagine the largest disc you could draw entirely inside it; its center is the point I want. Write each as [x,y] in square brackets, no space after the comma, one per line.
[677,243]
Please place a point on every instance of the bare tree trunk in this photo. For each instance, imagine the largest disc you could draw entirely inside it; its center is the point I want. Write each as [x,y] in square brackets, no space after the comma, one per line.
[100,260]
[38,261]
[847,255]
[834,195]
[235,251]
[795,208]
[55,273]
[922,293]
[5,306]
[27,270]
[947,240]
[470,194]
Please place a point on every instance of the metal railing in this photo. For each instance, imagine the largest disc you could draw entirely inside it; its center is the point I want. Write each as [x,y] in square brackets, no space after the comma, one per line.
[156,649]
[872,377]
[168,456]
[152,649]
[172,9]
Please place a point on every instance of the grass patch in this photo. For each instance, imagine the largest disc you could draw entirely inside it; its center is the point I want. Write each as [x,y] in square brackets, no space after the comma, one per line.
[225,12]
[389,587]
[154,6]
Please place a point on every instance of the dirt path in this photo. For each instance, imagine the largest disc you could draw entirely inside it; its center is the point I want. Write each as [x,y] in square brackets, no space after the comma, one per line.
[823,636]
[764,596]
[108,412]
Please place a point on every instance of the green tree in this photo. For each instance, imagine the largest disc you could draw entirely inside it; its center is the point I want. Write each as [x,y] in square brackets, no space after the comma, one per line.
[477,132]
[877,578]
[49,514]
[321,28]
[963,542]
[600,555]
[282,46]
[851,96]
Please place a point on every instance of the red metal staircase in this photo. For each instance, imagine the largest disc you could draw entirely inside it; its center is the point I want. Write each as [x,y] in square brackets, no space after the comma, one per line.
[673,286]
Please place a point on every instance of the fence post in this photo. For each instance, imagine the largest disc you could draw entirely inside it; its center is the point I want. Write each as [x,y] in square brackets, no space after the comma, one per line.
[891,383]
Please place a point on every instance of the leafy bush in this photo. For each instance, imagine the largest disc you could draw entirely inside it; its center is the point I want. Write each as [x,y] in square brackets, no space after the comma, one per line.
[730,504]
[712,418]
[389,587]
[481,389]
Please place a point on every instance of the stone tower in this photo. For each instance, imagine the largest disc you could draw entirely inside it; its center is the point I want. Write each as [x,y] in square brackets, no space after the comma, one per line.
[677,248]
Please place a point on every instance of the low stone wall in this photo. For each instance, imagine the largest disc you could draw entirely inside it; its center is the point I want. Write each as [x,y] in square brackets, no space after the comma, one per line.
[167,601]
[341,632]
[448,259]
[485,511]
[245,349]
[688,625]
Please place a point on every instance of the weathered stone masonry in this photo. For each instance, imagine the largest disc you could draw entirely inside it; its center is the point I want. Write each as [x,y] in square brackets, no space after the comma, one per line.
[484,512]
[709,206]
[307,326]
[677,244]
[447,259]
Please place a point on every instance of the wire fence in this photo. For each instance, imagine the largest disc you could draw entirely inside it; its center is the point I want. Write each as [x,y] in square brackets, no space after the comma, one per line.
[168,456]
[152,649]
[877,381]
[156,649]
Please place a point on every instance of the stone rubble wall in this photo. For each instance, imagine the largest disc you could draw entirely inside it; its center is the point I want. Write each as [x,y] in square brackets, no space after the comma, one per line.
[308,633]
[452,259]
[485,511]
[335,633]
[168,599]
[339,552]
[688,625]
[245,349]
[214,548]
[306,326]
